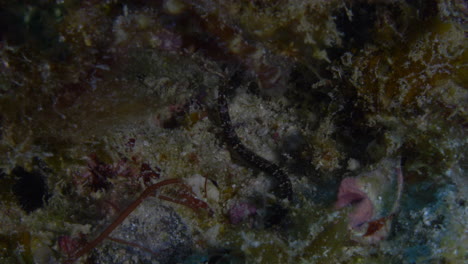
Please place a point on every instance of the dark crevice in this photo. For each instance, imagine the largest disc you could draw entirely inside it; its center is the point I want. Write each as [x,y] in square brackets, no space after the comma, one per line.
[357,29]
[30,189]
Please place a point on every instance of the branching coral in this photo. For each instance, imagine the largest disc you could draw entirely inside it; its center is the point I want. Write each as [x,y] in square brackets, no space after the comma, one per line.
[187,200]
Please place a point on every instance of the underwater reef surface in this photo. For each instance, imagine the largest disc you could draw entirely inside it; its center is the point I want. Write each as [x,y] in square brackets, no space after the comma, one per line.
[250,131]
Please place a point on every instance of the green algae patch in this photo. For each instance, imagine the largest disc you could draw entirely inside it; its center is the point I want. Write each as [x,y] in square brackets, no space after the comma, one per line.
[16,248]
[404,79]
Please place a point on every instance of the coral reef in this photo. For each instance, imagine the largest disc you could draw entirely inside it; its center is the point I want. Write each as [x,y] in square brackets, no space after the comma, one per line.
[218,131]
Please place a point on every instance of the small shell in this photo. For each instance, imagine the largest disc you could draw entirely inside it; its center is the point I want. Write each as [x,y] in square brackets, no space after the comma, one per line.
[203,188]
[375,195]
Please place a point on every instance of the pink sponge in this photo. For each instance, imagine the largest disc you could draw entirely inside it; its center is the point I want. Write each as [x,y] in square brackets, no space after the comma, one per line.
[240,212]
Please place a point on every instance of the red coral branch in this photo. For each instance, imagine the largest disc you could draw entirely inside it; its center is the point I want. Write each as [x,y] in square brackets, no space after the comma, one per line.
[189,201]
[187,198]
[148,192]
